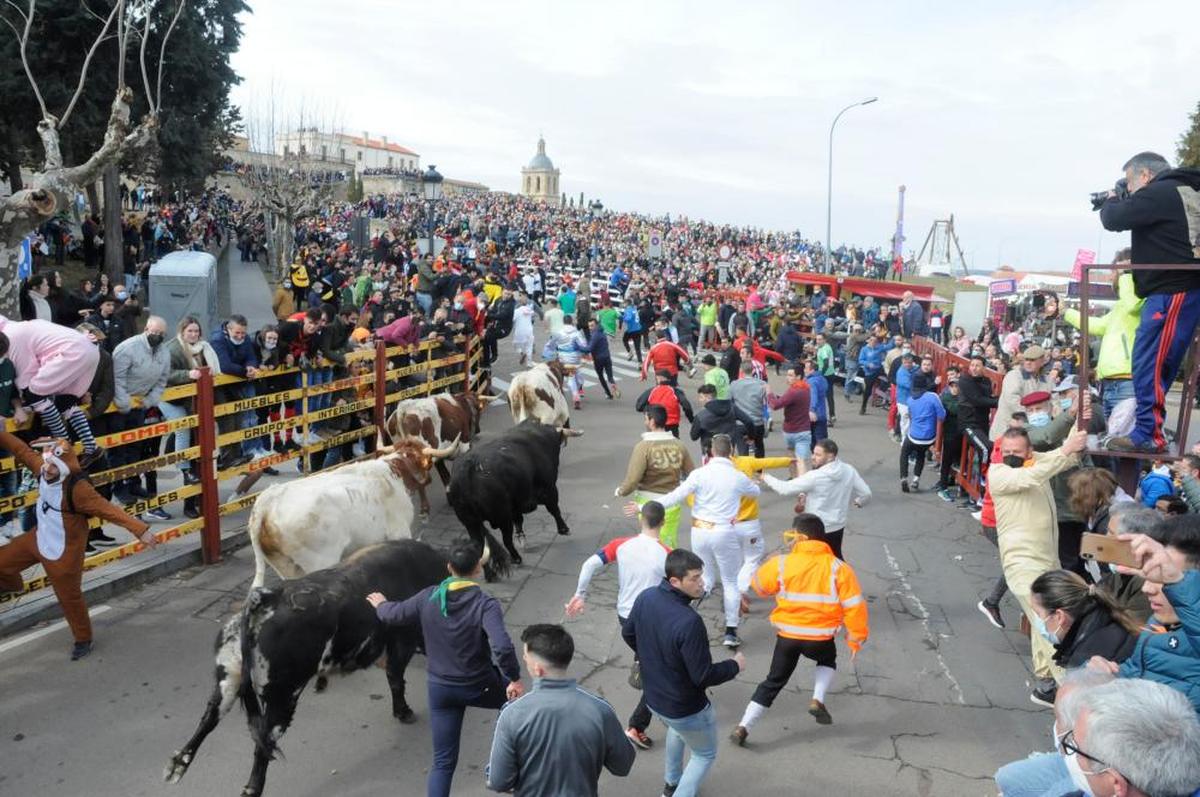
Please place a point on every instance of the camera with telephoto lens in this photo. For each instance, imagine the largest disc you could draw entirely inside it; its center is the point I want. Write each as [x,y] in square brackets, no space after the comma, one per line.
[1121,189]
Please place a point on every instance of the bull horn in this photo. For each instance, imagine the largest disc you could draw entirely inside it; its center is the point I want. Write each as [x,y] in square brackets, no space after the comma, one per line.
[487,554]
[380,448]
[442,453]
[568,432]
[486,399]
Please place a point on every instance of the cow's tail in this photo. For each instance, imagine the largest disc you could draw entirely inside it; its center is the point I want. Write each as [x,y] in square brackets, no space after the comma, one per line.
[260,604]
[255,530]
[516,402]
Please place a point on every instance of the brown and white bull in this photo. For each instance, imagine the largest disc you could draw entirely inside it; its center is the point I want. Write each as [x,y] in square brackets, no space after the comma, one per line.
[435,421]
[318,521]
[538,394]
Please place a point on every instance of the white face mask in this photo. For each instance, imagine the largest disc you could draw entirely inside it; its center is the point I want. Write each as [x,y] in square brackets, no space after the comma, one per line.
[1077,777]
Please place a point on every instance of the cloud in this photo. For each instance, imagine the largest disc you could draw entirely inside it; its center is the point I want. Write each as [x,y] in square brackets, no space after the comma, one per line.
[1005,115]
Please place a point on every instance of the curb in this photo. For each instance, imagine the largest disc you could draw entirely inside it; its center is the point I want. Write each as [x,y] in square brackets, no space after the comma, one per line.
[120,584]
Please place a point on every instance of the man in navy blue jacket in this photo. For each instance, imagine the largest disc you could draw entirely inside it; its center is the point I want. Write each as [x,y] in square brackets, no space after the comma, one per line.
[677,666]
[464,633]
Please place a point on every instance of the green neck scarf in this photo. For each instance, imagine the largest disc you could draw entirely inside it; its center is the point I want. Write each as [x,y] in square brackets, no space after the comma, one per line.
[442,592]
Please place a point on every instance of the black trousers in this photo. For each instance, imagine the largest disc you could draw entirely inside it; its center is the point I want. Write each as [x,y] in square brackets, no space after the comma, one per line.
[640,718]
[829,402]
[636,337]
[784,660]
[604,367]
[754,434]
[1070,536]
[979,439]
[911,448]
[951,454]
[869,381]
[834,538]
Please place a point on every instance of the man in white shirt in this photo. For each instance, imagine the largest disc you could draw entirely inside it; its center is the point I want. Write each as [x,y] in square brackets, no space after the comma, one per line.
[828,490]
[717,489]
[641,562]
[522,334]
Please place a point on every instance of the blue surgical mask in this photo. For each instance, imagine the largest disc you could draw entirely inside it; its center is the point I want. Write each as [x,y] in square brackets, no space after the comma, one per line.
[1040,626]
[1037,419]
[1064,403]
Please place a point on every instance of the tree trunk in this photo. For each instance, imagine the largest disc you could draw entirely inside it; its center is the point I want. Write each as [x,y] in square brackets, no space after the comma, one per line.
[114,245]
[281,242]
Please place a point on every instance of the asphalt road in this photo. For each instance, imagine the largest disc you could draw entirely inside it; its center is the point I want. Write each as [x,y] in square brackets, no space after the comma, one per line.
[936,701]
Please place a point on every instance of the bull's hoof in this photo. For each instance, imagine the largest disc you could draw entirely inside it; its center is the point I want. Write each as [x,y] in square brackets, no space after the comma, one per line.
[405,715]
[516,558]
[250,791]
[563,531]
[177,767]
[322,683]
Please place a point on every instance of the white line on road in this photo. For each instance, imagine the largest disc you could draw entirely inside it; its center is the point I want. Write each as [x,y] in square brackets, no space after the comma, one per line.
[933,639]
[41,632]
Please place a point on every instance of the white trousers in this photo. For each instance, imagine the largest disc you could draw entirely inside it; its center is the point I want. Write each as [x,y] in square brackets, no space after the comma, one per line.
[902,414]
[721,551]
[751,539]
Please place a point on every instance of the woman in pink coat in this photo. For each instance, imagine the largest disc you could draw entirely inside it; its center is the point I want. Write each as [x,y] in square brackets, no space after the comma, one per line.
[55,366]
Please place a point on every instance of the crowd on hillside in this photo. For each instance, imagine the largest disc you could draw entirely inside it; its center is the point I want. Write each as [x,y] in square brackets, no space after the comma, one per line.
[1115,649]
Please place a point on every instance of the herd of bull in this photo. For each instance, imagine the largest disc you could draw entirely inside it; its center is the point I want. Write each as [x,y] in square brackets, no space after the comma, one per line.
[338,535]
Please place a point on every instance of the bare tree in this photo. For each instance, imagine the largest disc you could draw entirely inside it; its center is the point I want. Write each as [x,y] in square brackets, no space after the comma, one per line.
[54,187]
[290,181]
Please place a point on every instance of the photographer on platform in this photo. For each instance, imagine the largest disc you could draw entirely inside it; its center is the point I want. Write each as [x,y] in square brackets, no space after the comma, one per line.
[1161,208]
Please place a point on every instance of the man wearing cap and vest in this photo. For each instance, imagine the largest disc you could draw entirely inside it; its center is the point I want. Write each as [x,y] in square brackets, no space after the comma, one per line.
[717,488]
[816,594]
[1019,382]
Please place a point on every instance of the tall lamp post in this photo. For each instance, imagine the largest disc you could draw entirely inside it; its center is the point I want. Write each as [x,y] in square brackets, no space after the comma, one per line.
[431,185]
[829,190]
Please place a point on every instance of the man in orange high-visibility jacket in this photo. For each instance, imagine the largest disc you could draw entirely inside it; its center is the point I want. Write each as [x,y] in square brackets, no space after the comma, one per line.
[816,594]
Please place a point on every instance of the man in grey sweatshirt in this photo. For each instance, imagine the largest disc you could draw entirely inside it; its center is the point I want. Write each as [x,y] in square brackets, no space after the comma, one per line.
[556,739]
[141,365]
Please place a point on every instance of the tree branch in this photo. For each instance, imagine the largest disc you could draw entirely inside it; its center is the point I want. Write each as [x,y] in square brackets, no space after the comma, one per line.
[162,57]
[117,142]
[24,42]
[119,4]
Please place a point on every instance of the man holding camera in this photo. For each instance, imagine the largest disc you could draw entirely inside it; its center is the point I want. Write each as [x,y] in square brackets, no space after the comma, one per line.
[1161,208]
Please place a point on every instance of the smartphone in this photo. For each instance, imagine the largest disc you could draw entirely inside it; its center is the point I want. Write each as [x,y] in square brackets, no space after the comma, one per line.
[1104,548]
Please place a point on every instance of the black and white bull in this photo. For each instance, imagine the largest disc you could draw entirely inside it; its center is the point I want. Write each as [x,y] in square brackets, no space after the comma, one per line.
[501,480]
[314,626]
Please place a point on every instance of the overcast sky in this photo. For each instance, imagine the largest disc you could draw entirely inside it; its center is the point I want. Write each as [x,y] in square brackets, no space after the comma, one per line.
[1005,114]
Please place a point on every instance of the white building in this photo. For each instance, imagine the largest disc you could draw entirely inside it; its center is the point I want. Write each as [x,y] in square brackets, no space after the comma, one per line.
[539,180]
[357,152]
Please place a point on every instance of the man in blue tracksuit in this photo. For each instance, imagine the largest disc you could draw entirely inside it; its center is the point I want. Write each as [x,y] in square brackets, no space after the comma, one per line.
[870,363]
[677,667]
[904,381]
[925,412]
[819,387]
[1162,211]
[464,634]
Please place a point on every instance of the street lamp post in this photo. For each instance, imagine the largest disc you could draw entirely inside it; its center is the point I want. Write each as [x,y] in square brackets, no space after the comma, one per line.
[431,184]
[829,189]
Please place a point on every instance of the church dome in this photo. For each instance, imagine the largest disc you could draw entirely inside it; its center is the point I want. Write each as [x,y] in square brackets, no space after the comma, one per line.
[540,160]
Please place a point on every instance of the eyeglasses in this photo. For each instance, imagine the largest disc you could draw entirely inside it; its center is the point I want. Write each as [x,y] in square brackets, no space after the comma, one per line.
[1068,746]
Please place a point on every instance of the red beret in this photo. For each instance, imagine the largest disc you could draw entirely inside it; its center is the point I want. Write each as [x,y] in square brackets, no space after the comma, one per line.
[1037,397]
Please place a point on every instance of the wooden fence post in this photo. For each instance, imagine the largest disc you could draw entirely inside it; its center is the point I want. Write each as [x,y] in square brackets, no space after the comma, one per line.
[467,363]
[210,505]
[381,367]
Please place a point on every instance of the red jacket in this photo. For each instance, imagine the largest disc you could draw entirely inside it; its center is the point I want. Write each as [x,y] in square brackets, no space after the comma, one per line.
[987,516]
[759,353]
[664,355]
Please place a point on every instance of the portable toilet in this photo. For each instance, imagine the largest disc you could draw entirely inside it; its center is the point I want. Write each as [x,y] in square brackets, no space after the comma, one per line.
[185,283]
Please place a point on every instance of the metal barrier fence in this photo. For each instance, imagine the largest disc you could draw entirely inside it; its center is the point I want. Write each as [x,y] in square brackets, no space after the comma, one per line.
[368,368]
[969,477]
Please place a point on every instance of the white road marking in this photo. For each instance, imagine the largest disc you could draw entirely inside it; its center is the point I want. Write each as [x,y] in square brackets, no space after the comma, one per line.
[41,632]
[932,638]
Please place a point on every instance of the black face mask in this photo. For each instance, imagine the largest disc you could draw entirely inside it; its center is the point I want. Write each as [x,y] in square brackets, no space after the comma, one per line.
[154,339]
[1013,461]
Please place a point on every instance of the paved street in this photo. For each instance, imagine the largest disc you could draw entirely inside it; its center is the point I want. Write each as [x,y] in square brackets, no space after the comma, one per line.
[933,704]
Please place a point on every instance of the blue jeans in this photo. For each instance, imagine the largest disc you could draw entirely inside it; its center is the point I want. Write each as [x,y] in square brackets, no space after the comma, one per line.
[8,488]
[1113,392]
[799,442]
[183,437]
[249,419]
[1038,775]
[426,302]
[447,705]
[850,387]
[698,733]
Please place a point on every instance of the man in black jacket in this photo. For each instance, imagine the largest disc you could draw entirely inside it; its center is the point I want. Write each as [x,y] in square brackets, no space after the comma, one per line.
[1162,211]
[974,404]
[677,667]
[718,416]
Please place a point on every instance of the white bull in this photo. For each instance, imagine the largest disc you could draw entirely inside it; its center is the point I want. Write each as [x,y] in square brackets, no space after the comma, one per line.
[317,521]
[538,394]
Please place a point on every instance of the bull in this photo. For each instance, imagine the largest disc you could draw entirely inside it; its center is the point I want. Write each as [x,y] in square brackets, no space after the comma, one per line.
[435,421]
[505,478]
[538,394]
[305,525]
[318,626]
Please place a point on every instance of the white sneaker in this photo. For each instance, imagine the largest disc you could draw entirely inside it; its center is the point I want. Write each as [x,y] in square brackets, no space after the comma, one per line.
[259,454]
[913,483]
[978,516]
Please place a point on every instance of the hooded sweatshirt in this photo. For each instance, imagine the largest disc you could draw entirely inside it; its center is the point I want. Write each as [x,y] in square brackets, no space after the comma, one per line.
[1116,329]
[1164,220]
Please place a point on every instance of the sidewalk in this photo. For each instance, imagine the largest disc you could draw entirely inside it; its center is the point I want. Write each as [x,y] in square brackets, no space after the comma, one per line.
[247,282]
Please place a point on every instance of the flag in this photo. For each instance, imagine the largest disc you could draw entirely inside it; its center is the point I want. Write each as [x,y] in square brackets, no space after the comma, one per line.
[25,258]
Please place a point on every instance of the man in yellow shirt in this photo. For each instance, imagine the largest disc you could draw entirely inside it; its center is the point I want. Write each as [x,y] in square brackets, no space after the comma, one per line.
[816,594]
[747,524]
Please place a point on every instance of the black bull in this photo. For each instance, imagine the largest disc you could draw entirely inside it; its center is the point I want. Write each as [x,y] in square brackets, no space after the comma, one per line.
[317,625]
[503,479]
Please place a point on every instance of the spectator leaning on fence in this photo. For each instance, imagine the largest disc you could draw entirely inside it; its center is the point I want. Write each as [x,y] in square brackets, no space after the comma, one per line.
[141,367]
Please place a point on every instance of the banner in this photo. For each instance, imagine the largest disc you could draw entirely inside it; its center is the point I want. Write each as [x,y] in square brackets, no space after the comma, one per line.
[654,245]
[1084,257]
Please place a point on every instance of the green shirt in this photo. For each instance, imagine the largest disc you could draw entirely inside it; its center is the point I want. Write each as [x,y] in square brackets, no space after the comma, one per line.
[8,387]
[718,379]
[608,320]
[825,359]
[566,301]
[707,314]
